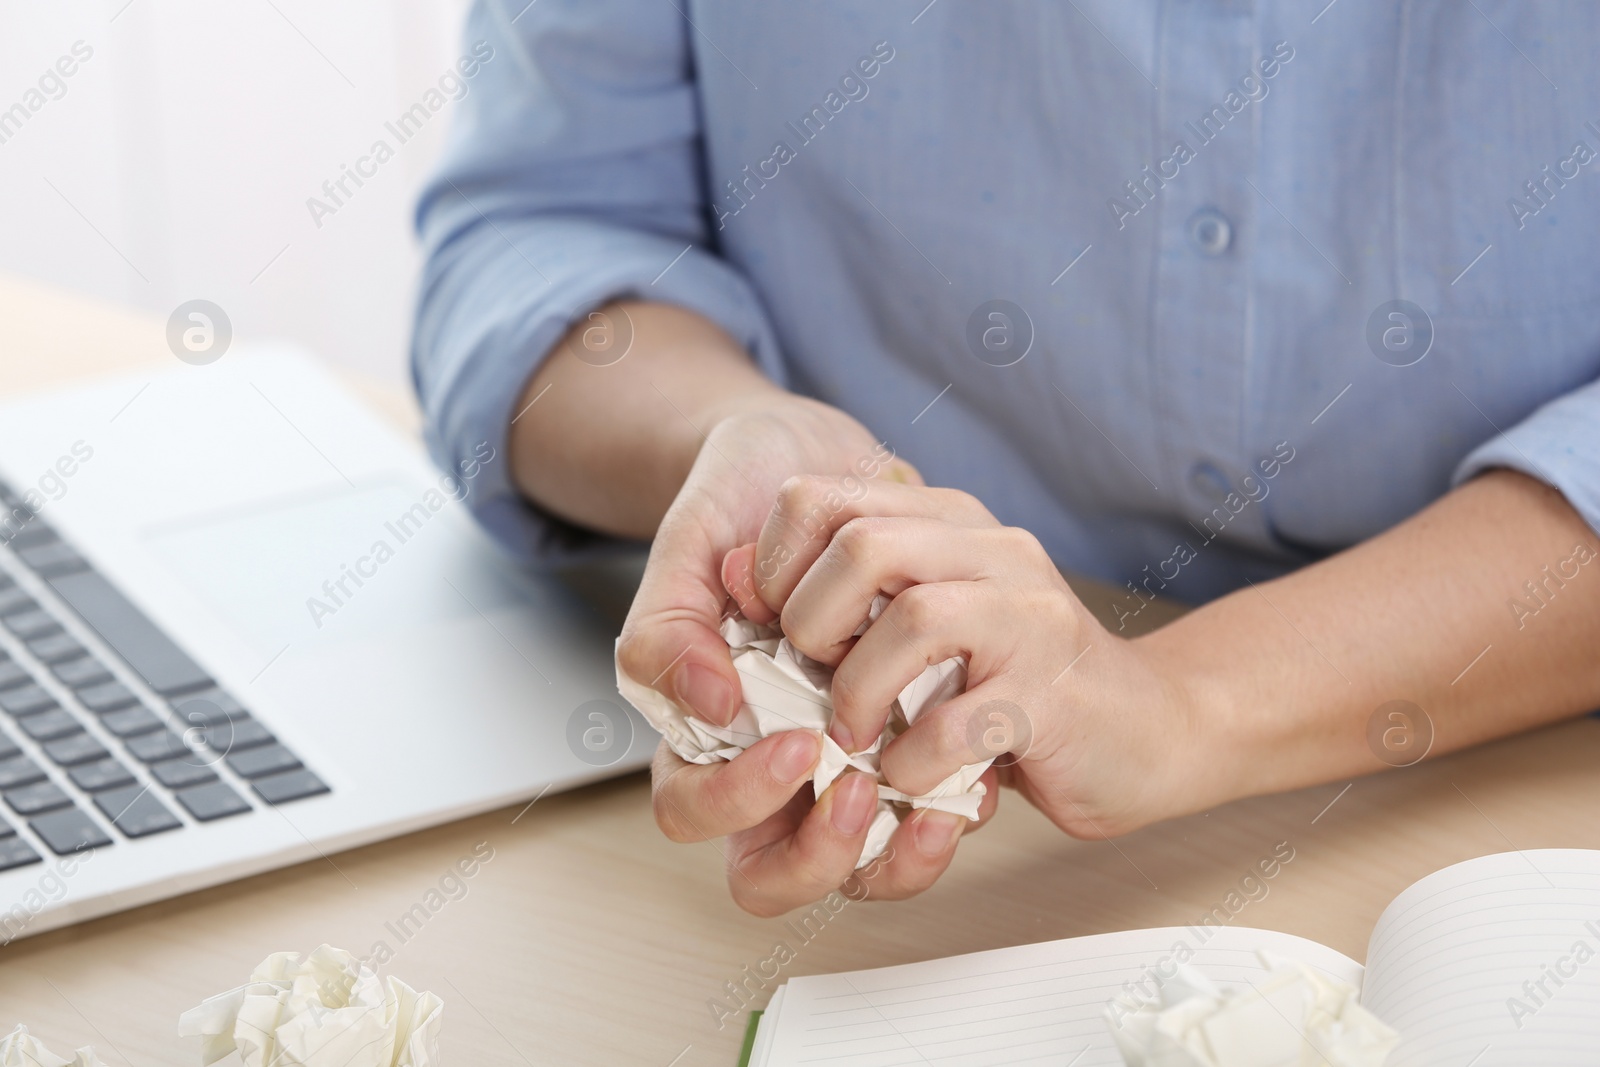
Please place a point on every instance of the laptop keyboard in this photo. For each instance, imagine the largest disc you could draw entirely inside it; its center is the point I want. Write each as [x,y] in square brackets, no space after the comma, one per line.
[85,759]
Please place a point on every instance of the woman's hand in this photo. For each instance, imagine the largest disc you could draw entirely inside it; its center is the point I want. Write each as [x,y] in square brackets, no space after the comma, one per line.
[1091,728]
[784,849]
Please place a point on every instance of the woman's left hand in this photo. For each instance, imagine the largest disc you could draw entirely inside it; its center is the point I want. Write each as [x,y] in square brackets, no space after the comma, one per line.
[1093,729]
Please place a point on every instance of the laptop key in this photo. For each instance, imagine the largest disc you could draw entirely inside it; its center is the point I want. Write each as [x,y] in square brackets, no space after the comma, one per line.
[16,599]
[78,673]
[25,700]
[282,788]
[130,722]
[216,698]
[108,696]
[49,725]
[236,736]
[69,831]
[209,707]
[151,653]
[15,852]
[13,673]
[101,774]
[52,558]
[255,762]
[214,801]
[159,745]
[55,648]
[75,749]
[32,799]
[30,624]
[181,773]
[36,532]
[19,770]
[135,811]
[8,749]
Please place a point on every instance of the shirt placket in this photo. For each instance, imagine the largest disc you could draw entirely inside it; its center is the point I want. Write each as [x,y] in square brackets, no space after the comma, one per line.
[1199,181]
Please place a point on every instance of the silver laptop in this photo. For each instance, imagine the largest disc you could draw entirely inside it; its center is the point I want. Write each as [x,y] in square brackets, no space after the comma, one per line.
[243,623]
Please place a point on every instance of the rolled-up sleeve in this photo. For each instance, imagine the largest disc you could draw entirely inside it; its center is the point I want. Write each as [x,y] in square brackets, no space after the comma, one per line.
[573,177]
[1559,444]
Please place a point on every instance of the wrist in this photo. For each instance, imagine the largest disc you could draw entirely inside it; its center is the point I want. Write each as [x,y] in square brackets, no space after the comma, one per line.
[1214,751]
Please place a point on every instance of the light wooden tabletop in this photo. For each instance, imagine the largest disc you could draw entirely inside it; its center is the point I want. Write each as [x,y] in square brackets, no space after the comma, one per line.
[590,939]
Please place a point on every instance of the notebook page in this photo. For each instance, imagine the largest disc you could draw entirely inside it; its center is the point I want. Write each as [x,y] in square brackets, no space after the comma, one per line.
[1032,1004]
[1448,959]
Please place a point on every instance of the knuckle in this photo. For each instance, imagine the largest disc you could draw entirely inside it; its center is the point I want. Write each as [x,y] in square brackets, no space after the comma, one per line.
[670,820]
[798,494]
[749,900]
[963,503]
[847,689]
[949,727]
[798,627]
[1020,545]
[631,653]
[921,608]
[724,797]
[858,541]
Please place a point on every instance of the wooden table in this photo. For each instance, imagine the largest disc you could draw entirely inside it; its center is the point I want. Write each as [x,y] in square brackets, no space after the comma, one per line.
[590,939]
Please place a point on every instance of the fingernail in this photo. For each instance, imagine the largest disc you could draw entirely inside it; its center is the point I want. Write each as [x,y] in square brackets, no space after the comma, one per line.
[842,737]
[936,831]
[795,755]
[853,802]
[704,691]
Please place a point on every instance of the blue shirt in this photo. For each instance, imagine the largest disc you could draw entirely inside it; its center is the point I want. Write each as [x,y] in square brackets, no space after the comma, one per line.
[1195,292]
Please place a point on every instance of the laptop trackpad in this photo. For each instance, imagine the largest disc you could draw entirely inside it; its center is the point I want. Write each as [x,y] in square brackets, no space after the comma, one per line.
[340,564]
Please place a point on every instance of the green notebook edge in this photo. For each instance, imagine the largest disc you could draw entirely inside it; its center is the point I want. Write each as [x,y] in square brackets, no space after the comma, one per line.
[749,1039]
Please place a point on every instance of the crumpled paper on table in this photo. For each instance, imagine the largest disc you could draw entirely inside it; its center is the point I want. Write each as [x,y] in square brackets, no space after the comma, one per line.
[322,1009]
[784,689]
[21,1049]
[1295,1017]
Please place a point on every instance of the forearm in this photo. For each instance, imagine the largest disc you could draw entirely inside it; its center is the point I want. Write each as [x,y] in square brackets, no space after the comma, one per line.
[608,444]
[1286,675]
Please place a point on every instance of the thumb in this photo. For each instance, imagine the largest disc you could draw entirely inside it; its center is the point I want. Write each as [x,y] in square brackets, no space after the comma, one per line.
[671,641]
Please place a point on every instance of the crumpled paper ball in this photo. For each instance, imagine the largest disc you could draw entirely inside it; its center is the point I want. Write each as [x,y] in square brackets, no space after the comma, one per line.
[323,1009]
[1295,1017]
[784,689]
[21,1049]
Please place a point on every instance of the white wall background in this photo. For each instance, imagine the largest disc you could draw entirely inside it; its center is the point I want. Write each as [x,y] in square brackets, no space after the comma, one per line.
[178,162]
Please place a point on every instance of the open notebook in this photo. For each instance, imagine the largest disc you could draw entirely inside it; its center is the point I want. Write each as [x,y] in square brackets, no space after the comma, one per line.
[1494,962]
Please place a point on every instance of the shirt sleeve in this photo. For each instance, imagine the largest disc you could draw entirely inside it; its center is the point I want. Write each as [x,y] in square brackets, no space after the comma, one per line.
[573,177]
[1558,444]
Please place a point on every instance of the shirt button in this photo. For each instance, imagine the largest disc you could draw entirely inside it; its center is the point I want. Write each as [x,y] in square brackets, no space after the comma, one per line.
[1210,231]
[1209,481]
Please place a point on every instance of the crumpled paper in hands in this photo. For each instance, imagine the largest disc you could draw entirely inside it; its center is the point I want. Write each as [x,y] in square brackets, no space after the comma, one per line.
[784,689]
[21,1049]
[1295,1017]
[323,1009]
